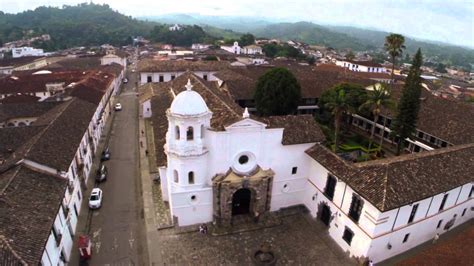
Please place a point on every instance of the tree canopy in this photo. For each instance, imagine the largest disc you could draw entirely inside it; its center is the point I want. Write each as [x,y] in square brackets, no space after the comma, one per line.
[342,99]
[278,93]
[404,124]
[184,37]
[246,39]
[72,26]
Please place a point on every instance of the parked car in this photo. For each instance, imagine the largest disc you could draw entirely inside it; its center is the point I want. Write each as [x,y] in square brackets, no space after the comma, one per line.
[95,200]
[101,173]
[105,155]
[118,107]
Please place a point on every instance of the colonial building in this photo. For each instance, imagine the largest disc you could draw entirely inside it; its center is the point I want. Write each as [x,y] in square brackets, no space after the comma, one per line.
[164,71]
[44,167]
[217,162]
[361,66]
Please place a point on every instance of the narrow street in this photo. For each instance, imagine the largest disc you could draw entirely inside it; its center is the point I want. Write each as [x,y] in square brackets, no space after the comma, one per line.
[116,228]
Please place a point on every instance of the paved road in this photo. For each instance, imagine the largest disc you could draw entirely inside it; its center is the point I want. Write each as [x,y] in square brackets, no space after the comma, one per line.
[117,228]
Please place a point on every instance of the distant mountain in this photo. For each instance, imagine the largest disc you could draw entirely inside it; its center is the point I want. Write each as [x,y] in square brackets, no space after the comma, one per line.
[441,52]
[234,23]
[338,37]
[313,34]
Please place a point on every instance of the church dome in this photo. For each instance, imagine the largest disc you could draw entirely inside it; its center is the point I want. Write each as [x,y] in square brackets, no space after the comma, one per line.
[188,102]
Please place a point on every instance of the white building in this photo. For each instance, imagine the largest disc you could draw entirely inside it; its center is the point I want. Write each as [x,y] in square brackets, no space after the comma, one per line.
[361,66]
[252,50]
[113,58]
[374,210]
[175,27]
[49,163]
[165,71]
[200,46]
[26,51]
[235,48]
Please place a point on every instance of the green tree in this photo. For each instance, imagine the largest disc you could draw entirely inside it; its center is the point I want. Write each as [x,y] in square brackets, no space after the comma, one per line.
[441,68]
[270,49]
[246,39]
[277,93]
[404,124]
[350,55]
[342,99]
[377,99]
[394,45]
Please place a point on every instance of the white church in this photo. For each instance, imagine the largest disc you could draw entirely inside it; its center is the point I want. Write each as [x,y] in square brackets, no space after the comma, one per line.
[219,162]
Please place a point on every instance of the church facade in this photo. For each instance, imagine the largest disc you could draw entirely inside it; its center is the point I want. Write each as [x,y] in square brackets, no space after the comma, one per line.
[219,162]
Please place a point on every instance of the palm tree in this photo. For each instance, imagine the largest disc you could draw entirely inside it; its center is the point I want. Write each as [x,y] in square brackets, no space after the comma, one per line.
[339,104]
[394,45]
[378,98]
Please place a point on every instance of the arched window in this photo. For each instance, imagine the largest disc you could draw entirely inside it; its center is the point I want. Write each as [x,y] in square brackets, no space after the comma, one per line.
[176,132]
[175,176]
[190,133]
[191,177]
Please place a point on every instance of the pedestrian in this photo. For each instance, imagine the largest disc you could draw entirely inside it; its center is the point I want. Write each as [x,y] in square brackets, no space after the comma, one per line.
[371,263]
[146,152]
[435,238]
[204,227]
[141,143]
[201,229]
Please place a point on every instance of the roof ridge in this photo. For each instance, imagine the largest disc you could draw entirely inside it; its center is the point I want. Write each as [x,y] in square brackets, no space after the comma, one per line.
[213,94]
[385,187]
[41,133]
[412,156]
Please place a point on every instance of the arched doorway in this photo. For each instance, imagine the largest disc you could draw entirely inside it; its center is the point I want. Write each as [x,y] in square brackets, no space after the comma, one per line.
[241,201]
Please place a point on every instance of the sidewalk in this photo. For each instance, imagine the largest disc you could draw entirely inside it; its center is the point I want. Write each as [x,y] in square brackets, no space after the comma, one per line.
[151,219]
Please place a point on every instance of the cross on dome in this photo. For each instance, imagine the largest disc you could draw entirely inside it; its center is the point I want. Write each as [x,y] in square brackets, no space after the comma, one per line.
[246,113]
[189,86]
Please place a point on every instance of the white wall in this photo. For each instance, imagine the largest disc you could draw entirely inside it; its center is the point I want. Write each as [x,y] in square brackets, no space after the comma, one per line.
[167,76]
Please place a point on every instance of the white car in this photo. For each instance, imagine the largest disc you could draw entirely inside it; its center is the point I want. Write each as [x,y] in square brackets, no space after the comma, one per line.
[95,201]
[118,107]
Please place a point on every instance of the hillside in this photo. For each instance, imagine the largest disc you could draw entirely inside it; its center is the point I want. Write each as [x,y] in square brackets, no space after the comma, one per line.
[312,34]
[233,23]
[443,53]
[81,25]
[93,24]
[334,36]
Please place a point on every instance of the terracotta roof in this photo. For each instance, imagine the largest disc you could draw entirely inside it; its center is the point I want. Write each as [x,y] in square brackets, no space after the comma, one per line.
[448,119]
[149,65]
[18,61]
[20,99]
[398,181]
[331,161]
[160,102]
[58,143]
[25,82]
[92,88]
[303,128]
[17,110]
[241,81]
[12,138]
[296,129]
[453,251]
[29,203]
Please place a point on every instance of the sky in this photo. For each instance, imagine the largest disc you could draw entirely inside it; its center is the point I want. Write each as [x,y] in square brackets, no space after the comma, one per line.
[449,21]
